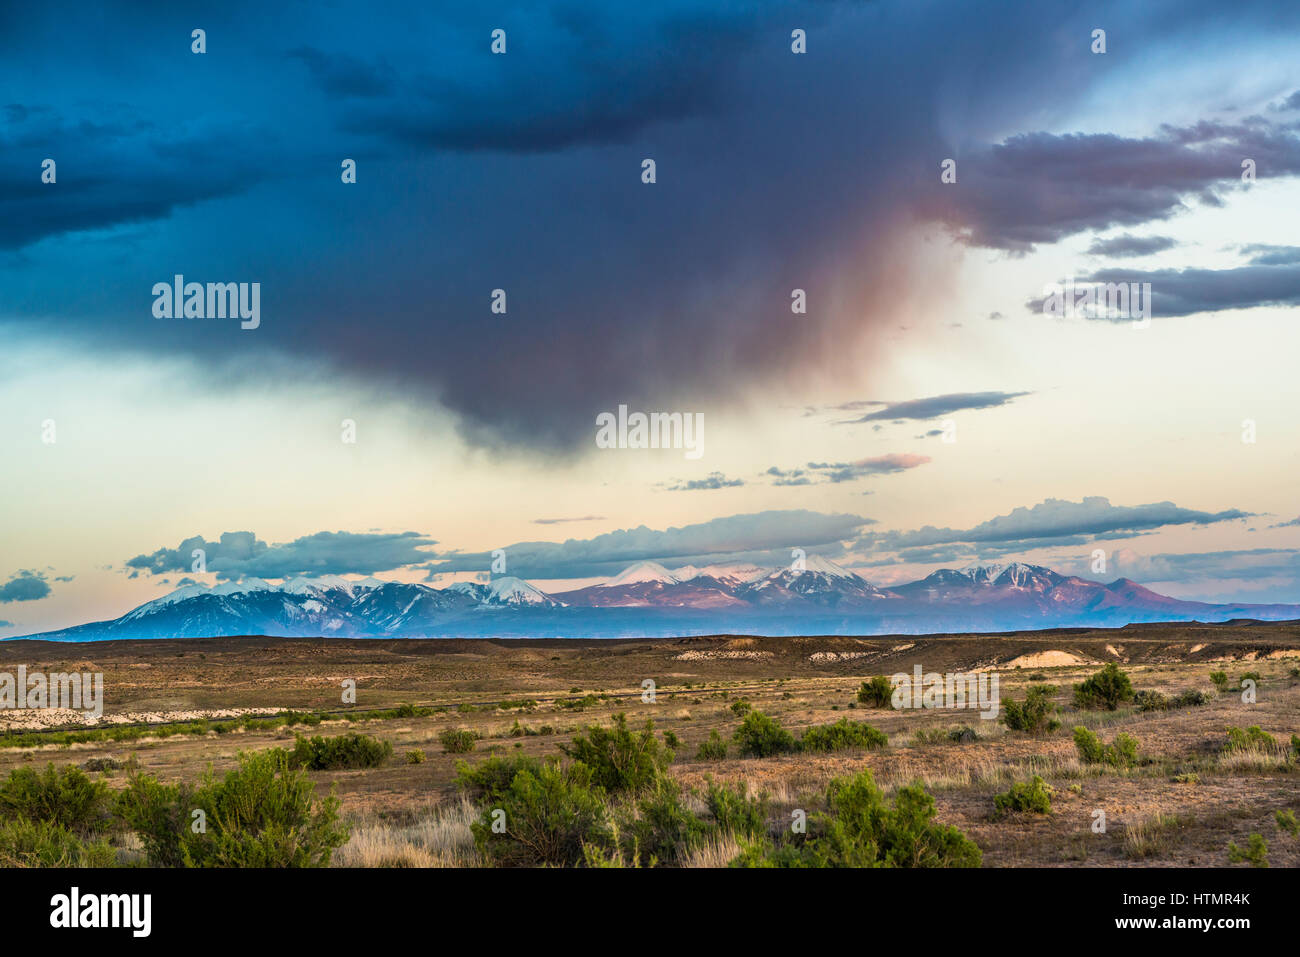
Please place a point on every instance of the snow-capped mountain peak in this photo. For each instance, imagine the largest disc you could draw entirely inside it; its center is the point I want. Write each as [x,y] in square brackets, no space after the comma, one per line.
[725,571]
[515,591]
[640,573]
[824,566]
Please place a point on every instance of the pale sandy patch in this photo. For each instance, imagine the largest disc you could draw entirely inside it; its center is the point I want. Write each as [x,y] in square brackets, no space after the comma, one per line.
[1046,659]
[37,719]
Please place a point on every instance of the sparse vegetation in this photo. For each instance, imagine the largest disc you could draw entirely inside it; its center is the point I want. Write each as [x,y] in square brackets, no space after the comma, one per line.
[1255,852]
[713,749]
[1033,797]
[877,692]
[621,809]
[1155,701]
[25,843]
[1253,739]
[841,735]
[263,814]
[761,737]
[347,751]
[1286,822]
[1034,714]
[456,740]
[621,759]
[68,799]
[1123,753]
[1107,689]
[860,829]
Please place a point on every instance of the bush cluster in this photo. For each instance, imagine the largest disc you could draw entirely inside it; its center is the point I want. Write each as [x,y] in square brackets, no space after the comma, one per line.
[1107,689]
[347,751]
[1034,714]
[261,814]
[613,804]
[1121,754]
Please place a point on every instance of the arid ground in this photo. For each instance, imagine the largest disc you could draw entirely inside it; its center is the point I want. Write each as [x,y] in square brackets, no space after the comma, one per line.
[1182,804]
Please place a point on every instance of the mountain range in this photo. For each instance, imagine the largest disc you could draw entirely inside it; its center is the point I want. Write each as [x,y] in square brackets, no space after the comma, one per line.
[648,600]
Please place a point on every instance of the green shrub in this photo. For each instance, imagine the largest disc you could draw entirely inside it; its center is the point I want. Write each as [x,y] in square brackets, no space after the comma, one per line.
[878,692]
[1034,715]
[843,734]
[963,734]
[714,749]
[860,829]
[1220,680]
[456,740]
[263,814]
[671,741]
[346,751]
[25,843]
[1033,796]
[1121,754]
[1150,701]
[1255,852]
[1254,676]
[657,828]
[1286,822]
[740,707]
[760,736]
[1253,738]
[621,760]
[735,811]
[415,756]
[924,736]
[67,798]
[489,780]
[1107,689]
[546,815]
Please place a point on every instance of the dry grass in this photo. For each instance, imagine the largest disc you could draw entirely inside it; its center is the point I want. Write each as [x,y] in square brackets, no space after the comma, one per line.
[716,852]
[440,839]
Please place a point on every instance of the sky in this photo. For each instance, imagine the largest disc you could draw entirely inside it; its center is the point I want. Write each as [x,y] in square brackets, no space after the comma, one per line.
[386,416]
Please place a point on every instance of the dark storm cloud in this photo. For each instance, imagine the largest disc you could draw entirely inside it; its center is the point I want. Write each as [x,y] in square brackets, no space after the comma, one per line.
[751,537]
[1184,292]
[1126,246]
[237,555]
[932,407]
[343,75]
[113,168]
[1053,522]
[24,586]
[1268,255]
[1040,187]
[522,172]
